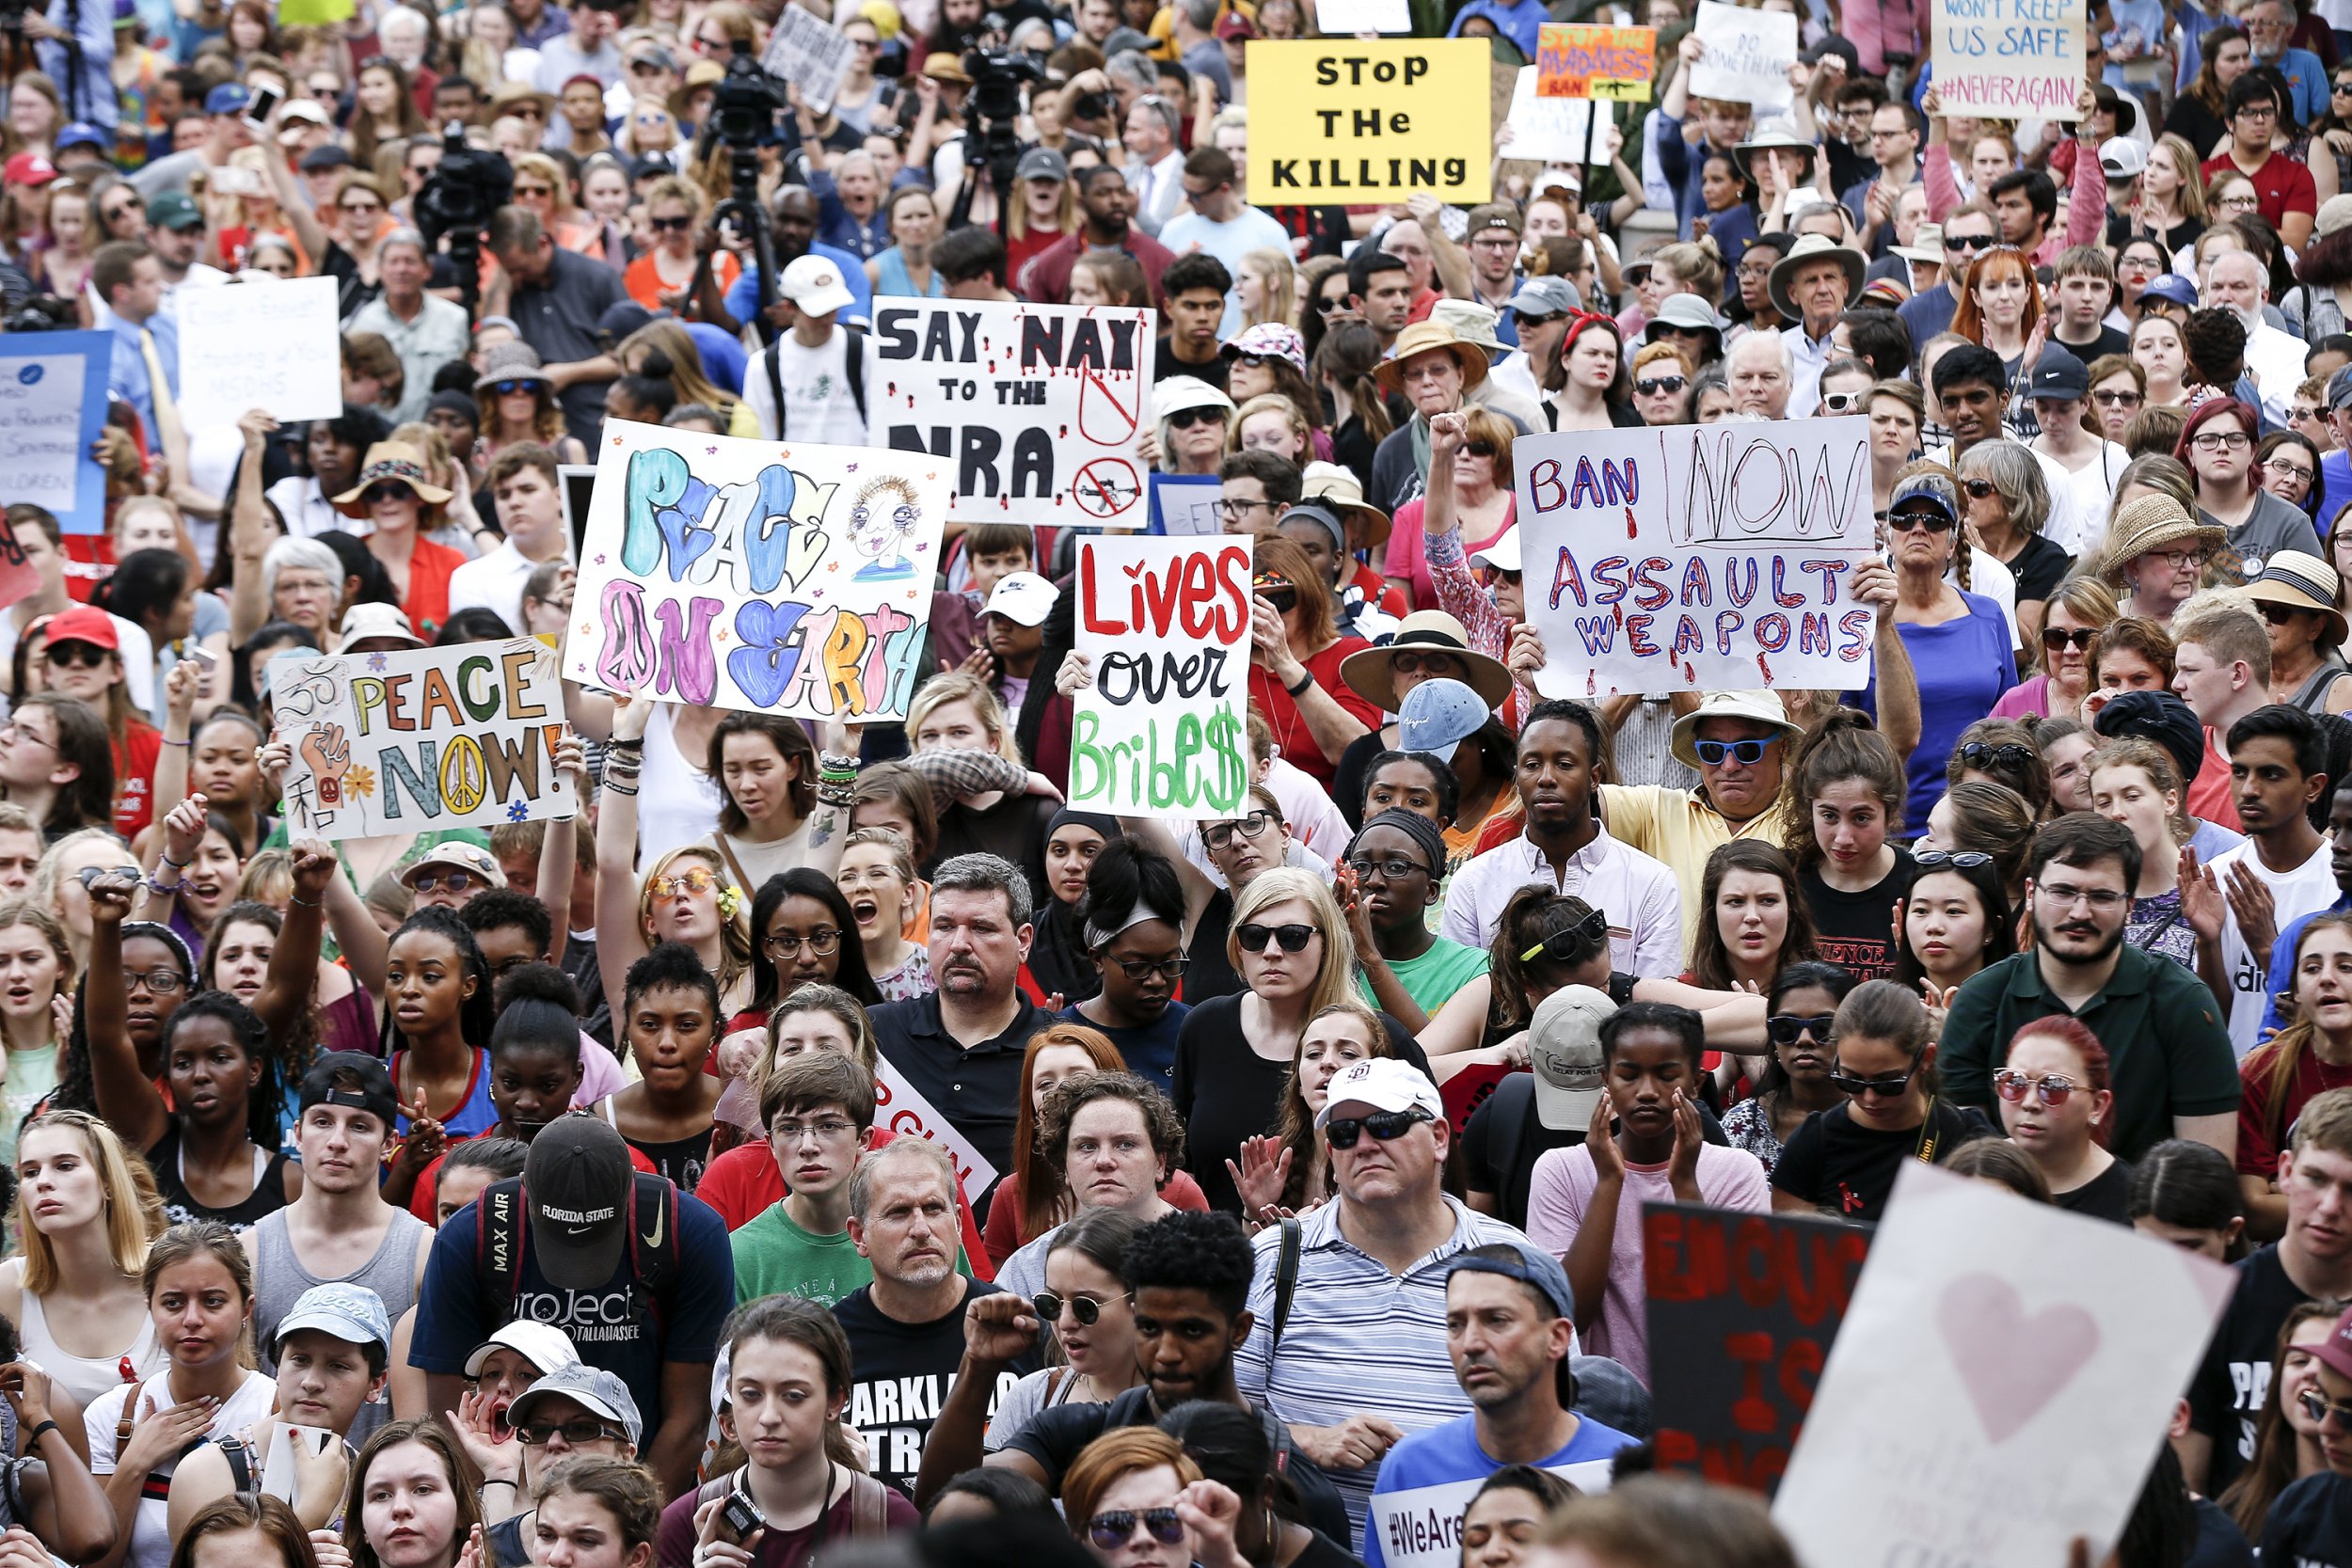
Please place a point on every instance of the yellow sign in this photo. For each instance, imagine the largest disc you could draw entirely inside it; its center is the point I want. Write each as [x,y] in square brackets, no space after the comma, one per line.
[1348,121]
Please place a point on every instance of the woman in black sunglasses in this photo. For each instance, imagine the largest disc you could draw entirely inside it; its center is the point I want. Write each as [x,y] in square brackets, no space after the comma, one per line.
[1085,1303]
[1959,642]
[1843,1163]
[2007,503]
[2002,752]
[1120,1497]
[1801,1006]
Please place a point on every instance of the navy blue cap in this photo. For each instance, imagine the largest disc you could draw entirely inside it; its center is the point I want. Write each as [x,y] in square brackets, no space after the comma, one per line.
[2174,287]
[227,98]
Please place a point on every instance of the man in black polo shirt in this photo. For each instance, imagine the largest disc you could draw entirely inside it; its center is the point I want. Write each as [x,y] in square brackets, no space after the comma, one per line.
[961,1047]
[2174,1073]
[555,297]
[1188,1275]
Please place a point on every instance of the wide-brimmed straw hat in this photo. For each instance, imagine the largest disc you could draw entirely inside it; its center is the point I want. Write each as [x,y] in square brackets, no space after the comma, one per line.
[1425,337]
[1372,672]
[1808,249]
[1336,486]
[2301,581]
[393,461]
[2152,522]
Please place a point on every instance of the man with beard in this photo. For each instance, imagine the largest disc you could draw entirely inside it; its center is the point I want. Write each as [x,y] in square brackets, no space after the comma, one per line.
[961,1047]
[2272,357]
[1968,232]
[793,233]
[1107,210]
[1566,848]
[1509,1328]
[2174,1073]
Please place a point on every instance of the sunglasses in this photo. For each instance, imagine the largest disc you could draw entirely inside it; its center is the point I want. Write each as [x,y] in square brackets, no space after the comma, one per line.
[1087,1309]
[1386,1126]
[1788,1028]
[1663,384]
[1185,419]
[1478,449]
[1573,945]
[672,226]
[1912,522]
[2118,400]
[1959,860]
[2281,614]
[454,881]
[1425,664]
[1746,753]
[388,490]
[1977,754]
[2316,1406]
[2054,1089]
[1889,1087]
[76,655]
[1979,489]
[1968,242]
[1253,936]
[510,389]
[1324,306]
[692,882]
[1114,1528]
[2055,638]
[584,1430]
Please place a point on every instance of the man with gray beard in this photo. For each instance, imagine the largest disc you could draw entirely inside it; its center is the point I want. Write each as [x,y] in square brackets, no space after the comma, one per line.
[2273,358]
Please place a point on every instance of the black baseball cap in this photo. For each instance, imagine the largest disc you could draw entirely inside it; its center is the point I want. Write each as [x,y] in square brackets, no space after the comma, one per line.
[373,1093]
[2057,375]
[577,1178]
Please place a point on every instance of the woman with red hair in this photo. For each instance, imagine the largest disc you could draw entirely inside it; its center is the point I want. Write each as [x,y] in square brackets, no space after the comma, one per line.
[2217,445]
[2056,1103]
[2000,308]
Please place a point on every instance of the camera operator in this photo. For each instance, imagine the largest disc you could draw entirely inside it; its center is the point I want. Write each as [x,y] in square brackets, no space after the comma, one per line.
[792,231]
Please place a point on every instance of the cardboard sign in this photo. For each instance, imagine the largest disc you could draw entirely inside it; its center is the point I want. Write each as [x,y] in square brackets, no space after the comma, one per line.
[2011,59]
[1748,56]
[1556,130]
[1185,505]
[1694,557]
[52,405]
[901,1107]
[1034,411]
[421,738]
[1349,122]
[1750,1304]
[810,55]
[275,346]
[1163,730]
[1573,61]
[2052,1348]
[1423,1527]
[1347,18]
[777,579]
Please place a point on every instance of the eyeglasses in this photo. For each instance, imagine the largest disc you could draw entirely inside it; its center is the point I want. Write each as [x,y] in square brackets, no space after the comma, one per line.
[692,882]
[2180,560]
[1386,1126]
[1253,936]
[1185,419]
[1113,1529]
[76,655]
[2258,111]
[2053,1089]
[2118,400]
[1394,868]
[1968,242]
[2055,638]
[2220,440]
[678,225]
[1087,1309]
[1216,835]
[2319,1408]
[783,945]
[16,733]
[1788,1028]
[155,982]
[2280,469]
[577,1432]
[1662,383]
[831,1130]
[2238,203]
[1890,1086]
[1912,522]
[1959,860]
[454,881]
[1842,402]
[2066,895]
[1977,754]
[1233,508]
[1746,752]
[1143,969]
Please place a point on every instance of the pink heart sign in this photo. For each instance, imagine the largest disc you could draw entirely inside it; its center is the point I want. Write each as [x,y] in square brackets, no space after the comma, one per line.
[2011,1362]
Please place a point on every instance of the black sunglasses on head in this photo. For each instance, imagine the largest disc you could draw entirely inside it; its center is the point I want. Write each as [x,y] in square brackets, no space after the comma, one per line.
[1573,945]
[1977,754]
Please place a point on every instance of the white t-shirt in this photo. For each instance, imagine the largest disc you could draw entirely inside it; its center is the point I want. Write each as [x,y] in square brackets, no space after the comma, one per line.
[247,1411]
[2079,499]
[2305,890]
[816,402]
[493,581]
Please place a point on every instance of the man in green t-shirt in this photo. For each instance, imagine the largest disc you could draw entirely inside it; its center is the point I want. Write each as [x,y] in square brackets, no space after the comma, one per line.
[818,1109]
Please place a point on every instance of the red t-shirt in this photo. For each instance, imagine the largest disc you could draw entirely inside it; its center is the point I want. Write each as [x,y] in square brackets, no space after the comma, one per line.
[2283,186]
[2260,1130]
[2210,796]
[1290,729]
[134,776]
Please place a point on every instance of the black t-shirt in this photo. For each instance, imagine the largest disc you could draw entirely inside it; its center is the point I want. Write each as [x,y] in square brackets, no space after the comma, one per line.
[1848,1170]
[978,1087]
[2311,1524]
[2229,1389]
[2039,569]
[2219,1543]
[1055,1437]
[2109,340]
[1857,930]
[1165,364]
[2104,1197]
[1013,828]
[1227,1093]
[1207,973]
[901,1373]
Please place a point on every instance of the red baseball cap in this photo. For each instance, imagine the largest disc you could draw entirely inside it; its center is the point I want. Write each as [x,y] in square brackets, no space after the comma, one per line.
[83,624]
[2335,1351]
[28,169]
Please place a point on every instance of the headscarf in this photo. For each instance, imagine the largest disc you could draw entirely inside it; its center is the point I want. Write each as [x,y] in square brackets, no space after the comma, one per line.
[1059,958]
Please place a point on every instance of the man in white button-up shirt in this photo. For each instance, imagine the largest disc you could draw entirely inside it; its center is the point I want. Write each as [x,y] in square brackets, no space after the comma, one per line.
[1566,849]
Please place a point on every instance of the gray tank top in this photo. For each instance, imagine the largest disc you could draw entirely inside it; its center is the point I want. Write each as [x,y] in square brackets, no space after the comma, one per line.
[279,1280]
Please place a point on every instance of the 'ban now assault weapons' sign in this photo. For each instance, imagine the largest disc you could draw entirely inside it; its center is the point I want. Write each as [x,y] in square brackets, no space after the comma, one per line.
[1386,117]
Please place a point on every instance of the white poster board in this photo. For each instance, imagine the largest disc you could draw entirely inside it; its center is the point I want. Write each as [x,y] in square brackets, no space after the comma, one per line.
[2053,1348]
[1556,129]
[789,577]
[899,1107]
[1423,1527]
[2010,59]
[421,738]
[1163,731]
[1748,56]
[275,346]
[1698,558]
[52,401]
[1034,411]
[809,54]
[1346,18]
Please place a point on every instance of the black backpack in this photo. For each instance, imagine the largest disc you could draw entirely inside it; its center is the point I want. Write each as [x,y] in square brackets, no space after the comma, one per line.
[501,1232]
[772,359]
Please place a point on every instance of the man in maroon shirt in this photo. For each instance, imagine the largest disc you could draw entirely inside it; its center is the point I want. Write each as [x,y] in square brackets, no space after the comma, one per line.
[2289,199]
[1106,208]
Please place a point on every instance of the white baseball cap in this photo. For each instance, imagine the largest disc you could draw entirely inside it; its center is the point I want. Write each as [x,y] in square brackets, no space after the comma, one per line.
[543,1345]
[1503,554]
[1385,1084]
[1564,1047]
[1022,597]
[814,286]
[2122,158]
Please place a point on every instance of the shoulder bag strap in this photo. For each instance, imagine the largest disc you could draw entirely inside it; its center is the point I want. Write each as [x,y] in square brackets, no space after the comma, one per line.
[1285,1283]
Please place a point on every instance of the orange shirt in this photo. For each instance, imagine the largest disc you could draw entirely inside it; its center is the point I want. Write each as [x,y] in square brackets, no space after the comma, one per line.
[427,604]
[645,285]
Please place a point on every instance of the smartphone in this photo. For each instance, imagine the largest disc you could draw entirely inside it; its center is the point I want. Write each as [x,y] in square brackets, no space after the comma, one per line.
[262,104]
[230,180]
[204,657]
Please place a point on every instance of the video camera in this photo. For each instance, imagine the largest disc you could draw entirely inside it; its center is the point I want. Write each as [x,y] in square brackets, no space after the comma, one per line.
[466,187]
